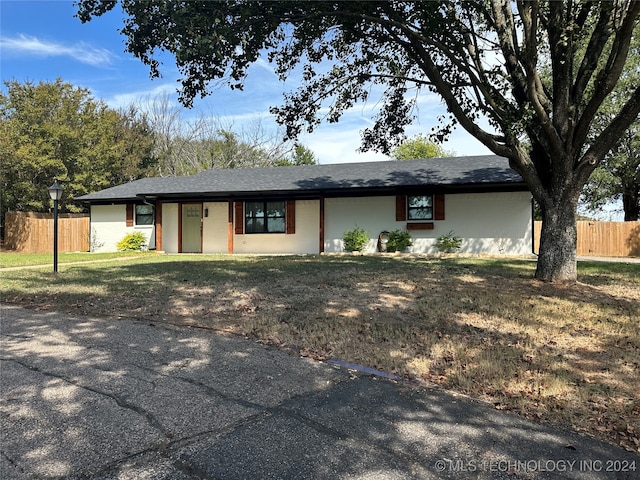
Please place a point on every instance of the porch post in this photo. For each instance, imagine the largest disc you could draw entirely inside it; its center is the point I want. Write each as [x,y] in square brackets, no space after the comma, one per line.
[321,239]
[230,230]
[158,226]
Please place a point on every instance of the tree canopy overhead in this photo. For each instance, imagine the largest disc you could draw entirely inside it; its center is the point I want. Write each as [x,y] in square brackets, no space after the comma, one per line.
[483,58]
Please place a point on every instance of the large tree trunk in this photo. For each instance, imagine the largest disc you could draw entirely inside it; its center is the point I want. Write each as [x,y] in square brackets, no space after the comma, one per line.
[558,239]
[631,205]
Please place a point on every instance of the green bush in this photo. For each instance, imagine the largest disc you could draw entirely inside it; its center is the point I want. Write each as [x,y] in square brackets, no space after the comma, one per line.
[399,241]
[132,242]
[355,240]
[448,243]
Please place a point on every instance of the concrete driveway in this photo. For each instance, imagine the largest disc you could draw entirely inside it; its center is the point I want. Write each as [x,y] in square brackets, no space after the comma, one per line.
[115,399]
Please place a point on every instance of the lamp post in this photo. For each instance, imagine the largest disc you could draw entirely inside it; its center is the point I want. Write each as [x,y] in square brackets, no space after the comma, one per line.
[55,192]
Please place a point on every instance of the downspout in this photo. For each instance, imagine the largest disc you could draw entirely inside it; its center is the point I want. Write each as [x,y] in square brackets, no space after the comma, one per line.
[144,200]
[155,229]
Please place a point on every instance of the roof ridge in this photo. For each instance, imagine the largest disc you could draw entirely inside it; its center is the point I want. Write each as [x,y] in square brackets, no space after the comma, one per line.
[350,164]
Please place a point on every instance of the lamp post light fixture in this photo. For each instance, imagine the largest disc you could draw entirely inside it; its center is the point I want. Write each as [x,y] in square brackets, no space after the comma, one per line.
[55,192]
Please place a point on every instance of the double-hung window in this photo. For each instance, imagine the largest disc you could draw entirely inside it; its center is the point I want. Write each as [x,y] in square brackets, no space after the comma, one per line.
[144,214]
[264,217]
[420,207]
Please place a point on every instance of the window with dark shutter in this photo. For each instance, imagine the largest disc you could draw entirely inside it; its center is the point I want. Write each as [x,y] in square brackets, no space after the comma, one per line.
[420,207]
[265,217]
[144,214]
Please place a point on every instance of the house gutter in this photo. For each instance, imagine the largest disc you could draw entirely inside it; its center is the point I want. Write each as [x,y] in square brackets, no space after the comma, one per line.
[348,191]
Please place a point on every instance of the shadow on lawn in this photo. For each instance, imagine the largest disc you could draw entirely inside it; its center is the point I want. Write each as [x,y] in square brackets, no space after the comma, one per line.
[483,327]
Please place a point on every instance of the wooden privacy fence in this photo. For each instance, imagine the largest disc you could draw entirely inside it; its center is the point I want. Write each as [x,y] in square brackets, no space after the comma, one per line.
[30,232]
[603,239]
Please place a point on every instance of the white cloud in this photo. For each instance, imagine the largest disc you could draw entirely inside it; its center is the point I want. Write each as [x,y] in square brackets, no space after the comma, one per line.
[336,143]
[143,98]
[81,52]
[262,63]
[243,118]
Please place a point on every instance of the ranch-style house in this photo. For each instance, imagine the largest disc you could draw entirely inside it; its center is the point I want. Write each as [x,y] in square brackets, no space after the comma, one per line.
[306,209]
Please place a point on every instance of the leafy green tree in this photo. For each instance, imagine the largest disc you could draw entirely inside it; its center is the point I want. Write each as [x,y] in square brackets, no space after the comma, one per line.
[481,57]
[54,130]
[300,155]
[617,178]
[130,155]
[419,147]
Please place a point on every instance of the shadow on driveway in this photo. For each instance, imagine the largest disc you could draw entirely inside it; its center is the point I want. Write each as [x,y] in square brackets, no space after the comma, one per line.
[91,398]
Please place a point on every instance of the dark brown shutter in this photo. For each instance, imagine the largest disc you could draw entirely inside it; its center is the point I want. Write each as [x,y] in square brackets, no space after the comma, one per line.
[129,214]
[438,207]
[291,217]
[401,208]
[239,218]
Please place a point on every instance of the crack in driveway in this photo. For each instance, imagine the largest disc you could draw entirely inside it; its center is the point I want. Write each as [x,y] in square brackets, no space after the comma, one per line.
[121,402]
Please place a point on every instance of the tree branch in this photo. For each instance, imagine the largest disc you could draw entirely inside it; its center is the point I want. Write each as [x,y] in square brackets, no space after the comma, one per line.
[597,42]
[609,136]
[608,76]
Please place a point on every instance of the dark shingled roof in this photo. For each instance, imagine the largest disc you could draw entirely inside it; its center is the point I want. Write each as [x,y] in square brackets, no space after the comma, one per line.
[447,174]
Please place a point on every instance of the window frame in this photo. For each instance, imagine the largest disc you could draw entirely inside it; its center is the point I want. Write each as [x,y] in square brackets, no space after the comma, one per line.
[139,216]
[411,209]
[266,218]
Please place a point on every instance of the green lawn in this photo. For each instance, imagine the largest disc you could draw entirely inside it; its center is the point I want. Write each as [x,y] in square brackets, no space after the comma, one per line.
[12,259]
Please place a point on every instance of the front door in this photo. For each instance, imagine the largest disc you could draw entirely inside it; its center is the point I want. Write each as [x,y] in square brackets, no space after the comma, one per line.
[191,228]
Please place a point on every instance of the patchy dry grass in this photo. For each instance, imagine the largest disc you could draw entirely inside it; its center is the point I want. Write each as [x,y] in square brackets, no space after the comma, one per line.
[565,355]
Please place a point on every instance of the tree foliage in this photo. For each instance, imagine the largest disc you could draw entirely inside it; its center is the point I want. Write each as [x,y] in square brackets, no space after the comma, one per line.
[300,155]
[481,57]
[419,147]
[617,178]
[53,130]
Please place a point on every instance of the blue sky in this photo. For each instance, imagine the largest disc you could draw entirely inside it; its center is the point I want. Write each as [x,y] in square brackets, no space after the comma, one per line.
[42,41]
